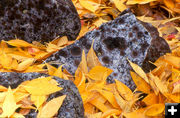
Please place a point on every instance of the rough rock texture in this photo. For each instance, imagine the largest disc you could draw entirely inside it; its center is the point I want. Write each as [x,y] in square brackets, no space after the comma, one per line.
[114,42]
[38,20]
[72,106]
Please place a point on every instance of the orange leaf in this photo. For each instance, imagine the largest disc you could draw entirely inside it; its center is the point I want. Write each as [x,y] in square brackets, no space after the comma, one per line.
[124,90]
[19,43]
[141,84]
[154,109]
[98,72]
[25,64]
[150,99]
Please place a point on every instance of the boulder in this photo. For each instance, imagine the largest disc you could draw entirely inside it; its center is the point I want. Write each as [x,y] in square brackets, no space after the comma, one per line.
[115,42]
[72,106]
[38,20]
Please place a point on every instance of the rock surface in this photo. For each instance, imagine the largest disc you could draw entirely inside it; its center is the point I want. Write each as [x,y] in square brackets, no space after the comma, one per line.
[114,42]
[72,106]
[38,20]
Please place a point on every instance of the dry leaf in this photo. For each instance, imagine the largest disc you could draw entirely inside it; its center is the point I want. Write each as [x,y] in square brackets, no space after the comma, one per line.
[51,108]
[154,110]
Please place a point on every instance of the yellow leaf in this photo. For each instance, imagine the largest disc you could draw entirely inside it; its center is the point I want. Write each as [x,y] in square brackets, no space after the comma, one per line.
[176,89]
[110,112]
[82,66]
[51,69]
[58,72]
[174,97]
[99,105]
[121,102]
[25,64]
[173,60]
[38,100]
[141,84]
[92,59]
[51,108]
[98,72]
[95,115]
[132,2]
[124,91]
[81,86]
[63,40]
[109,96]
[119,4]
[5,60]
[150,99]
[89,5]
[135,114]
[19,43]
[9,104]
[89,108]
[17,115]
[41,86]
[160,85]
[169,3]
[154,110]
[2,88]
[139,71]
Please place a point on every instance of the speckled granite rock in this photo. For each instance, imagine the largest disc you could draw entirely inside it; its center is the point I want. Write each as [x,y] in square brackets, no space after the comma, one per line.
[38,20]
[72,106]
[114,42]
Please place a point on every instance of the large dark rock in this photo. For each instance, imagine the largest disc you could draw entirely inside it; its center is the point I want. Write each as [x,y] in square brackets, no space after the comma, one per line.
[114,42]
[38,20]
[72,106]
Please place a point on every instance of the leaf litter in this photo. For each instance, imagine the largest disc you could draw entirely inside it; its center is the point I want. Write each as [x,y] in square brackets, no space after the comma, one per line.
[101,100]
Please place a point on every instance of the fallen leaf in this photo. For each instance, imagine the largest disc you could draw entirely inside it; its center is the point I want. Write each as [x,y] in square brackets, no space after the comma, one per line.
[154,110]
[51,108]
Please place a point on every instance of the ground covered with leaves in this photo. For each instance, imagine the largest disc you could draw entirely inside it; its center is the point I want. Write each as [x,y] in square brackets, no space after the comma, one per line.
[101,100]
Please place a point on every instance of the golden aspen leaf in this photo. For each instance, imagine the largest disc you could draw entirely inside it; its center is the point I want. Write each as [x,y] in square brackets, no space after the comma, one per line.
[150,99]
[132,2]
[2,88]
[20,95]
[52,48]
[98,72]
[2,96]
[6,60]
[169,3]
[89,108]
[159,84]
[172,60]
[121,102]
[99,105]
[123,90]
[25,64]
[89,5]
[173,97]
[41,86]
[141,84]
[153,86]
[82,66]
[154,110]
[17,115]
[135,114]
[110,112]
[51,69]
[119,4]
[58,72]
[19,43]
[139,71]
[95,115]
[109,96]
[9,104]
[51,108]
[81,86]
[176,89]
[38,100]
[62,41]
[92,59]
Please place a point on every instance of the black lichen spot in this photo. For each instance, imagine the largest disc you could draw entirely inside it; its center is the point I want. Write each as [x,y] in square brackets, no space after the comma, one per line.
[122,53]
[121,21]
[146,32]
[115,74]
[140,35]
[63,53]
[76,51]
[135,28]
[76,62]
[135,53]
[144,46]
[106,59]
[130,34]
[117,42]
